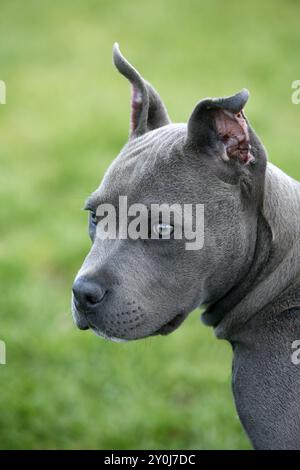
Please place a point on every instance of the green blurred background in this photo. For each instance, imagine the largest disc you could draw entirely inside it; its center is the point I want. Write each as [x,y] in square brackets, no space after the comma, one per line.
[65,120]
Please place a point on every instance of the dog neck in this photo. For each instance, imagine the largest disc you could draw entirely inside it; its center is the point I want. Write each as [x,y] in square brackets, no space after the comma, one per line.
[276,262]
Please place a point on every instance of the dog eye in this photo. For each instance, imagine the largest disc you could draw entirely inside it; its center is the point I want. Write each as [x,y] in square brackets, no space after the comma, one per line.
[93,217]
[163,230]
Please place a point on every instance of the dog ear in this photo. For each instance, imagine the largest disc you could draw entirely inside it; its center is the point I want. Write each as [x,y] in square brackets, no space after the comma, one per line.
[147,109]
[222,119]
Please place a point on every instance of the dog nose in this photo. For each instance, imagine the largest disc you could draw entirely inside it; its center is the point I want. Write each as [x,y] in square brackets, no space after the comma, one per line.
[87,294]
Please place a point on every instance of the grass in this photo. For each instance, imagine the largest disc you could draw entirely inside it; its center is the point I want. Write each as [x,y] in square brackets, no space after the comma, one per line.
[65,120]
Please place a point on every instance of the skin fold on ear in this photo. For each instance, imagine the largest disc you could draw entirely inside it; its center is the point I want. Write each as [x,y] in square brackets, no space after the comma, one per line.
[223,119]
[148,112]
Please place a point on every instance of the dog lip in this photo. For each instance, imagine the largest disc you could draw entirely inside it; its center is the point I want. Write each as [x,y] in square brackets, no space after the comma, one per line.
[103,335]
[171,325]
[80,321]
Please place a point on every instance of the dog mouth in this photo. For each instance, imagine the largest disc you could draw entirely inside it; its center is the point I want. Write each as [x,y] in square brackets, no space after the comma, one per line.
[79,319]
[171,325]
[86,324]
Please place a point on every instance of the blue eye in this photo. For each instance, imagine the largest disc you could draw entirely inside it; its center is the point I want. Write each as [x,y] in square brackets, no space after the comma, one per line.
[93,217]
[163,230]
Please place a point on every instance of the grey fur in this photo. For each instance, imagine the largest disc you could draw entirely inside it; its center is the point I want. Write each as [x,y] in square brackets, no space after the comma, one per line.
[247,273]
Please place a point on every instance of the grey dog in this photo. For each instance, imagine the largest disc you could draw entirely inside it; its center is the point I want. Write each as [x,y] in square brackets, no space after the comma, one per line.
[247,273]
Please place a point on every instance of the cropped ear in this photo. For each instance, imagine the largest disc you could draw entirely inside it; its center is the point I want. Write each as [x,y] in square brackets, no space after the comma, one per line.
[222,119]
[147,109]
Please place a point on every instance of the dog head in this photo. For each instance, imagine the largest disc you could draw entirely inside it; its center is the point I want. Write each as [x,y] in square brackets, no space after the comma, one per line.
[134,287]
